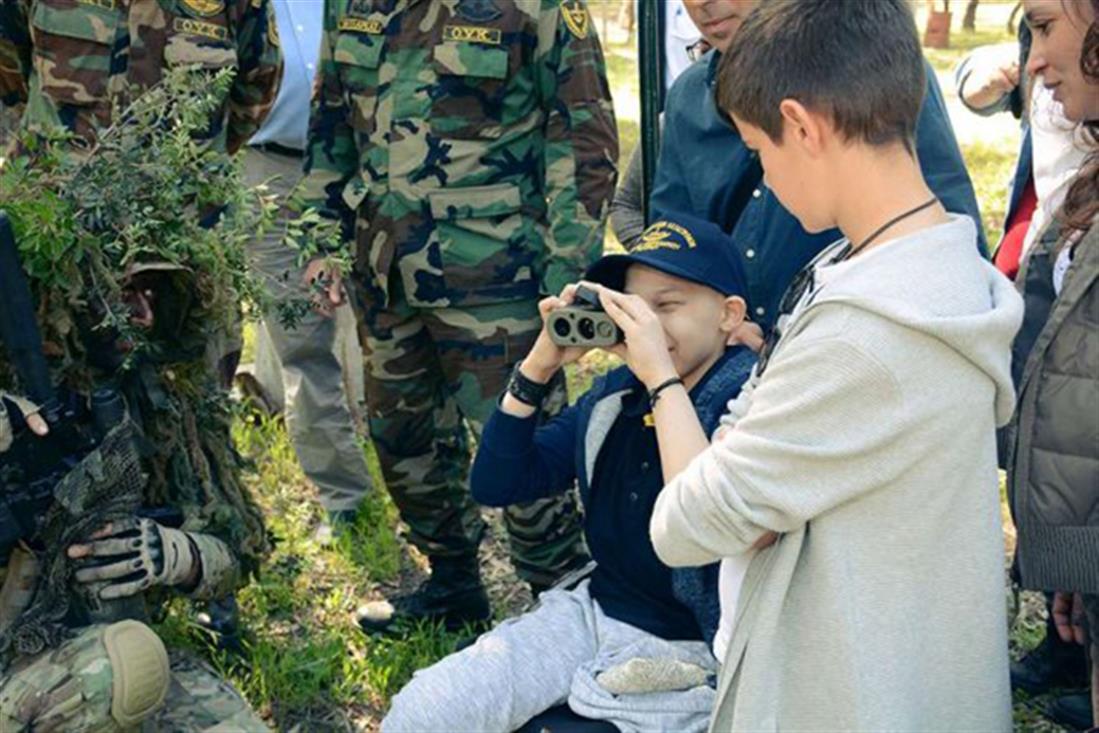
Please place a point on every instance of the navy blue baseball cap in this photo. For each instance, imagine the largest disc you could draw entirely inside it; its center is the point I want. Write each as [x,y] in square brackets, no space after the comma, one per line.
[682,246]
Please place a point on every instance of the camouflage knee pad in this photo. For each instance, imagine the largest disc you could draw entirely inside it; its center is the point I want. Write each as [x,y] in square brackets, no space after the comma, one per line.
[108,678]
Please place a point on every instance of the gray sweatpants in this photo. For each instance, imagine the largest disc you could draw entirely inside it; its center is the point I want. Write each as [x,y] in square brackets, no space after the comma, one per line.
[539,660]
[301,365]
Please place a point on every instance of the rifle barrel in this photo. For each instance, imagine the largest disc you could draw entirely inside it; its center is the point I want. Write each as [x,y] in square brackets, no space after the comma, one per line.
[19,327]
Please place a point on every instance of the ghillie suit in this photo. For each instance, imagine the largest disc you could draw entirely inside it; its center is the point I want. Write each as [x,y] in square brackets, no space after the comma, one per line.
[133,275]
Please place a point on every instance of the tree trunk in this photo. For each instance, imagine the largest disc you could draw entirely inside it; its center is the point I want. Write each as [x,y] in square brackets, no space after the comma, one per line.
[969,21]
[627,17]
[1011,18]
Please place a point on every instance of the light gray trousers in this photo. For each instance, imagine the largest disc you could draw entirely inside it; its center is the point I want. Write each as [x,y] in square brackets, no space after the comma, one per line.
[301,367]
[536,661]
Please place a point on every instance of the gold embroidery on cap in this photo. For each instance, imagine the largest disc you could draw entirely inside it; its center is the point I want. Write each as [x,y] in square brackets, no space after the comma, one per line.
[658,236]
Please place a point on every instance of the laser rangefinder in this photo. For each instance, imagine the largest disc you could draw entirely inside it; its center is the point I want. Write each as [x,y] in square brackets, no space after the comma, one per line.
[584,323]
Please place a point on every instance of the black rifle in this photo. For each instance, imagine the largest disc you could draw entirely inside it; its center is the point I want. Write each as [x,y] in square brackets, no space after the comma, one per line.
[36,468]
[33,465]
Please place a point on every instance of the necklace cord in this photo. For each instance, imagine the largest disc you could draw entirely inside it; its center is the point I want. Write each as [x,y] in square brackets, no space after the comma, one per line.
[889,224]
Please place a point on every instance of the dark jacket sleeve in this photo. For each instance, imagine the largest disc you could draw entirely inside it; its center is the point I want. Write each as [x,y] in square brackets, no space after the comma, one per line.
[518,461]
[670,192]
[627,217]
[941,159]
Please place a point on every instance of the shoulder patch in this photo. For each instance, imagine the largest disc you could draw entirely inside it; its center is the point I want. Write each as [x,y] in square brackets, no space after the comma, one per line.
[575,15]
[478,11]
[360,8]
[203,8]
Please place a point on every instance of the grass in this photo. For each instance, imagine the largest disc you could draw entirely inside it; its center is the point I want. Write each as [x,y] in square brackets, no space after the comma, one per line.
[991,28]
[308,667]
[307,664]
[991,166]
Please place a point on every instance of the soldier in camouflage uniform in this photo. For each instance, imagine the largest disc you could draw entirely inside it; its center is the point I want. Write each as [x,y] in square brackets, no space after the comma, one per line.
[71,60]
[473,143]
[73,64]
[120,676]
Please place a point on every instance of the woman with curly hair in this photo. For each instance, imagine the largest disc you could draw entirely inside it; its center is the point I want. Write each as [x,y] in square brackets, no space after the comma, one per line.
[1053,441]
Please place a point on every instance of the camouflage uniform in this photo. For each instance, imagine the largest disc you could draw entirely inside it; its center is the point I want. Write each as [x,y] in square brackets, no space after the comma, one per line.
[9,122]
[72,62]
[69,689]
[474,142]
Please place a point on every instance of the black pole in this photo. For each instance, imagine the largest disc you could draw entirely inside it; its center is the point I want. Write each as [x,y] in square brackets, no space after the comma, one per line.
[650,23]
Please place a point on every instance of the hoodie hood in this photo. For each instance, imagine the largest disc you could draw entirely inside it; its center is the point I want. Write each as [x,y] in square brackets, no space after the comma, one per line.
[935,281]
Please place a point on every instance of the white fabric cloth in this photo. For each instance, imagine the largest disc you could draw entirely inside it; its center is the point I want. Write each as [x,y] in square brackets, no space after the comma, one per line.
[1059,150]
[869,446]
[679,33]
[1060,268]
[537,661]
[730,580]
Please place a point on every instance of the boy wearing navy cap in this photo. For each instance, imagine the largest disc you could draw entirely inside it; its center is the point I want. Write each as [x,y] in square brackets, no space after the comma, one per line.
[629,644]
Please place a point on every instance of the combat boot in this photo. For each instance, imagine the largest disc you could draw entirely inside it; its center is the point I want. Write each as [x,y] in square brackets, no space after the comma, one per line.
[1071,711]
[221,619]
[1053,664]
[453,595]
[336,523]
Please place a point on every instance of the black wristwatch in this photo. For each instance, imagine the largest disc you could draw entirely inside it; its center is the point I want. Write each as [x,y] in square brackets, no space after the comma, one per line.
[527,390]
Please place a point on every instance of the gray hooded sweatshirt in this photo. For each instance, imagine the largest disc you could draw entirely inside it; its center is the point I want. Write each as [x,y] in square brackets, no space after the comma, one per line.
[869,445]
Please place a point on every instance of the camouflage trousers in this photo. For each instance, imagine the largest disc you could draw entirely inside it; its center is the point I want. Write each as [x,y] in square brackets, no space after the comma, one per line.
[70,689]
[433,377]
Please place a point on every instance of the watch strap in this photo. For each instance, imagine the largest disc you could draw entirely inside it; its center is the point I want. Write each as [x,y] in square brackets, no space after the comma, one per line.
[527,390]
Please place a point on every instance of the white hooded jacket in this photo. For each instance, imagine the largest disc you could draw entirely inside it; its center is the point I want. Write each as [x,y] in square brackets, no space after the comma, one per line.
[869,446]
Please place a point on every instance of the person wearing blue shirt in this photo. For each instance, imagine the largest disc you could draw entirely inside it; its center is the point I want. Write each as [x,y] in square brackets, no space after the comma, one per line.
[676,297]
[706,170]
[301,363]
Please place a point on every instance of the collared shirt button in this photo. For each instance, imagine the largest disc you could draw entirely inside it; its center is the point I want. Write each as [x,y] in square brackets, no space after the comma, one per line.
[300,28]
[310,66]
[760,310]
[756,194]
[750,254]
[644,465]
[633,496]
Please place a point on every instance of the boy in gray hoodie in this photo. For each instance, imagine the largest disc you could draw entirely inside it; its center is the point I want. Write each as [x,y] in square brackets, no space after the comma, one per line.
[865,438]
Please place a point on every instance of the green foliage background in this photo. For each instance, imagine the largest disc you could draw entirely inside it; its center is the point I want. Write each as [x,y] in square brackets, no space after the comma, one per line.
[308,667]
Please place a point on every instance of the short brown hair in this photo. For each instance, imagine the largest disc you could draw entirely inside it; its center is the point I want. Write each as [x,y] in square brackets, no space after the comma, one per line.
[860,60]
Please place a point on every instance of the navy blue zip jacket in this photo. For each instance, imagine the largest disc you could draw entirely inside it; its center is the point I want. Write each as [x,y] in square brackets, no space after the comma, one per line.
[519,461]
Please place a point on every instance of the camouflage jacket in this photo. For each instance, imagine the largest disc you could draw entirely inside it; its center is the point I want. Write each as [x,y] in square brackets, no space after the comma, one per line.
[475,139]
[70,60]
